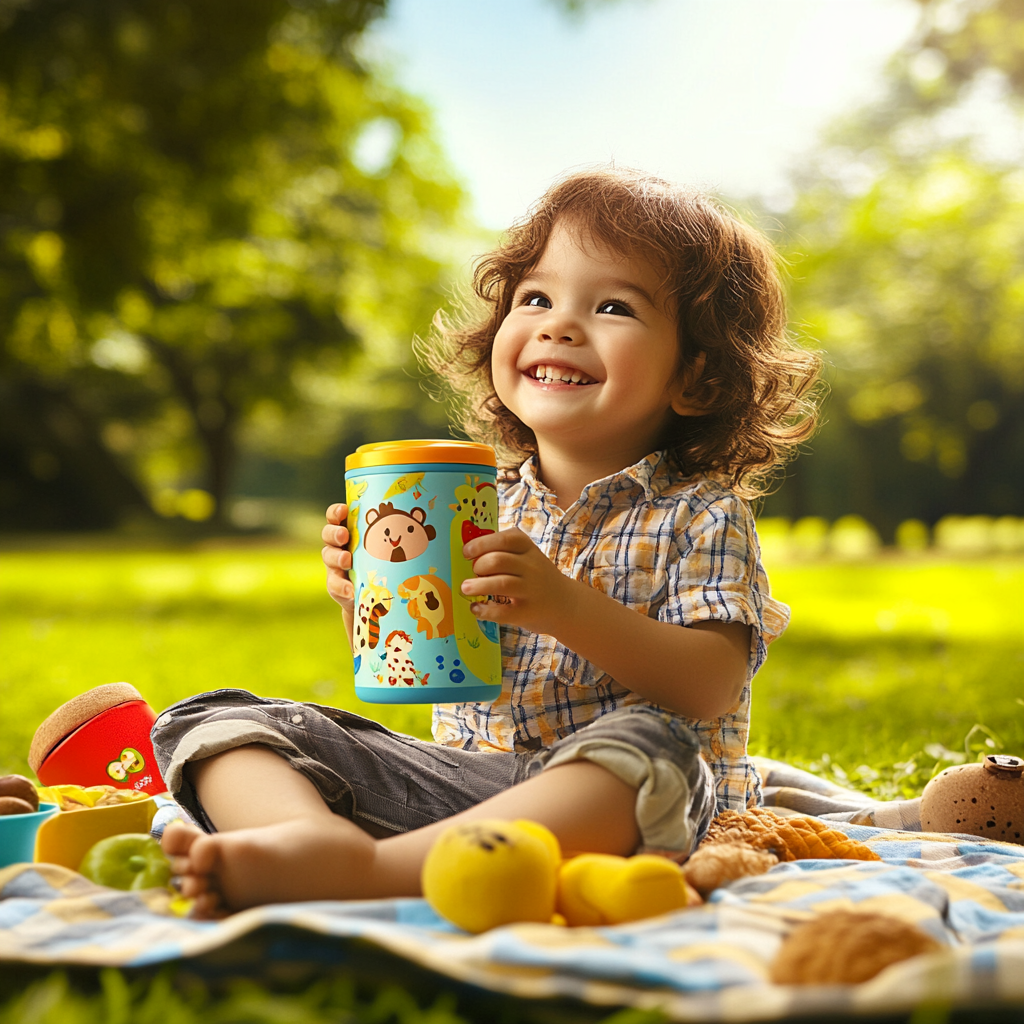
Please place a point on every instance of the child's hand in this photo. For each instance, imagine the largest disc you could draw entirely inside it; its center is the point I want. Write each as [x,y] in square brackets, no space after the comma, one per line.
[530,590]
[337,557]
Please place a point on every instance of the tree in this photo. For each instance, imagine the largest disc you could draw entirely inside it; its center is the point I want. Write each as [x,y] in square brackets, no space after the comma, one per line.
[206,209]
[906,245]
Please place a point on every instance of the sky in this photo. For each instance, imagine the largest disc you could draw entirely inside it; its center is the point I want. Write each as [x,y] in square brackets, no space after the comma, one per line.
[723,94]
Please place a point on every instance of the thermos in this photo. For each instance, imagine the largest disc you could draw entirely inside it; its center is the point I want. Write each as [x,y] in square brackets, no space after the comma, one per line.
[412,506]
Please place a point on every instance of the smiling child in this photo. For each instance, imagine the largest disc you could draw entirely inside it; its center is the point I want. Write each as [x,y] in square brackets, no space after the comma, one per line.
[630,346]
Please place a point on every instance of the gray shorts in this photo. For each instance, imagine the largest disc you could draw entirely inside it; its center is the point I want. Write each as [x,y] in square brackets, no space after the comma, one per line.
[387,782]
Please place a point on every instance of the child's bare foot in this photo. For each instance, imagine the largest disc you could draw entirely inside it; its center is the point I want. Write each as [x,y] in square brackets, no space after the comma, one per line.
[301,859]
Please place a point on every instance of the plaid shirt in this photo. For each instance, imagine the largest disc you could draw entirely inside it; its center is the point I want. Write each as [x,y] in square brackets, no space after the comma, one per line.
[682,550]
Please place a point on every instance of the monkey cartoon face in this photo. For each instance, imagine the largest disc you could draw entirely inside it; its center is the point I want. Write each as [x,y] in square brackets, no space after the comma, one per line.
[396,536]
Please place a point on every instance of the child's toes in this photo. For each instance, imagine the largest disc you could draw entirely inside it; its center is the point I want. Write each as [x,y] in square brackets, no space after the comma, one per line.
[178,838]
[204,855]
[194,886]
[208,906]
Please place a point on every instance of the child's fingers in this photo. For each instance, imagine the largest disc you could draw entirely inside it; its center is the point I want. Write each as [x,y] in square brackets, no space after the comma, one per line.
[334,535]
[493,611]
[340,588]
[494,563]
[337,513]
[504,586]
[336,558]
[512,540]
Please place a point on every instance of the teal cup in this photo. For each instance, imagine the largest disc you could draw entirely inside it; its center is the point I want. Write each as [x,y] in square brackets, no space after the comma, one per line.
[18,835]
[412,506]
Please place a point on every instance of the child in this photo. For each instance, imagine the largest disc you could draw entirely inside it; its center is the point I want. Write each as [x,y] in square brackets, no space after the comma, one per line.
[632,347]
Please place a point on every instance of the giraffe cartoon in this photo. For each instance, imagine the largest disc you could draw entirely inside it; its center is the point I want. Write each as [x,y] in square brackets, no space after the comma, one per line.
[476,514]
[374,603]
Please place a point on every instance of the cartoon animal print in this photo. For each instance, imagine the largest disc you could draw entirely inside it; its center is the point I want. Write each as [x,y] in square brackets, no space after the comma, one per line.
[354,490]
[373,603]
[430,604]
[396,536]
[408,482]
[398,666]
[476,514]
[476,508]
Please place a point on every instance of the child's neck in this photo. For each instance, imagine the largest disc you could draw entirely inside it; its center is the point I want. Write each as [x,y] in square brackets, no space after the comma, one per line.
[567,470]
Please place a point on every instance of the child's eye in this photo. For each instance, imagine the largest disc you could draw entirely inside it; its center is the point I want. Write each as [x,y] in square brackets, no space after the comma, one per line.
[537,300]
[615,308]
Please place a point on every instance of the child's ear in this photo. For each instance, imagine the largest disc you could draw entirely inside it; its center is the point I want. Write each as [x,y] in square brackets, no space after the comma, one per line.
[684,402]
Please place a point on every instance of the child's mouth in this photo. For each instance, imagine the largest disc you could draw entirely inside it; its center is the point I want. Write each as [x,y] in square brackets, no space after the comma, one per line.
[546,374]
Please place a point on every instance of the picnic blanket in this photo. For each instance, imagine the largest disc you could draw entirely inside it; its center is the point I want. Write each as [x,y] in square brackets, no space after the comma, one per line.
[706,963]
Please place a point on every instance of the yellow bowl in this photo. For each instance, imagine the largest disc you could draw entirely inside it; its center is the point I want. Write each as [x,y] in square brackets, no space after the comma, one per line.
[67,836]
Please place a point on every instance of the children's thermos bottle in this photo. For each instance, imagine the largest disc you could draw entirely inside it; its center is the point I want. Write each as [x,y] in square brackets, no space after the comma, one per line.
[412,506]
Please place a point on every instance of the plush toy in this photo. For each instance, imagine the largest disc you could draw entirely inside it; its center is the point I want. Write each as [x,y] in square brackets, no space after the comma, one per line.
[600,889]
[983,799]
[488,873]
[846,947]
[99,737]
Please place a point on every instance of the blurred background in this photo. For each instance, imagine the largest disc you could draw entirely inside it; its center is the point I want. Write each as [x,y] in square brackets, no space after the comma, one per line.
[223,223]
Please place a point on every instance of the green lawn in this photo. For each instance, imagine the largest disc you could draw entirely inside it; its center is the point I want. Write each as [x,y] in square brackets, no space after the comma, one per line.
[882,659]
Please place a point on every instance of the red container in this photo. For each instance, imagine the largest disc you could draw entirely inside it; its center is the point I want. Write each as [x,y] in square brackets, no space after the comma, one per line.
[110,749]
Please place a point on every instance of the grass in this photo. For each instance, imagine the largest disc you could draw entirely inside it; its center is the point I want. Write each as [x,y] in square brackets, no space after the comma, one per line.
[891,669]
[883,658]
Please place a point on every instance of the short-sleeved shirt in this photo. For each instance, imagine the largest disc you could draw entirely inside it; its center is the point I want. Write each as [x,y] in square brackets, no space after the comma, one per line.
[679,549]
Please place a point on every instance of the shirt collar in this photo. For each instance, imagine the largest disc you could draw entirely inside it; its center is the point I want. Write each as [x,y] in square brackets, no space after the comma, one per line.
[650,473]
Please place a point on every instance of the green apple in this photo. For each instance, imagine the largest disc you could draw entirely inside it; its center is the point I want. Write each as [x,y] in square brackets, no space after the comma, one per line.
[128,861]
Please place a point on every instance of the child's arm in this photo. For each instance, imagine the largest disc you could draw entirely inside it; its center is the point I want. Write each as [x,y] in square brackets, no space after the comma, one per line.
[697,671]
[338,560]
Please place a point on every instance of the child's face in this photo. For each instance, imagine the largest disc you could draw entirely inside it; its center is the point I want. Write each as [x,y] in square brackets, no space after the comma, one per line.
[588,354]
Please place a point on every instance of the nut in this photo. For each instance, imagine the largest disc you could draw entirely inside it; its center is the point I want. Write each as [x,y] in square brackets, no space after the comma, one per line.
[22,788]
[14,805]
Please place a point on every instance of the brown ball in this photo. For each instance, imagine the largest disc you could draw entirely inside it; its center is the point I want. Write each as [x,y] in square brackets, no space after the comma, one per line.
[984,799]
[22,788]
[846,947]
[14,805]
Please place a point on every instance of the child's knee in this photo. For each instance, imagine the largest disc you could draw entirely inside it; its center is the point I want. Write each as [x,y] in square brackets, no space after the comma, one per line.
[661,759]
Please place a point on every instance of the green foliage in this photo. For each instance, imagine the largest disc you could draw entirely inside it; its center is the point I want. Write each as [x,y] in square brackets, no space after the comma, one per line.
[53,1001]
[906,246]
[894,669]
[208,210]
[883,658]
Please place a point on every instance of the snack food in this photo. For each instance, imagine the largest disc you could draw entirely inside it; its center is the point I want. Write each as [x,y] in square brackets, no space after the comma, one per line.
[129,861]
[796,838]
[80,798]
[14,805]
[720,863]
[846,947]
[21,788]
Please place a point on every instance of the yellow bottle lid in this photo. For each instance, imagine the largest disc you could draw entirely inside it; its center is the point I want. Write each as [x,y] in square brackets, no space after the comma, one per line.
[397,453]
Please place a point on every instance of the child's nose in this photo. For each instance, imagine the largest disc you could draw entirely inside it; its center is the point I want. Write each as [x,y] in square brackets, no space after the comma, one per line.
[560,328]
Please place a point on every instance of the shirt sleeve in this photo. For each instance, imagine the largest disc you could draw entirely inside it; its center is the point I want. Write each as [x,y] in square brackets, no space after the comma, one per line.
[716,573]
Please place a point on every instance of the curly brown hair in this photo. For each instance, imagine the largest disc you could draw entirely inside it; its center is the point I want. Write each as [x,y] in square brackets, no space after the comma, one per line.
[721,279]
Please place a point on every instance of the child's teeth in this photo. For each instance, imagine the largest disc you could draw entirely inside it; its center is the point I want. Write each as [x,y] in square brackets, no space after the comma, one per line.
[576,377]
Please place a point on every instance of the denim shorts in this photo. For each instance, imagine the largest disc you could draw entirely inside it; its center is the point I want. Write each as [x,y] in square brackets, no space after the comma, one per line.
[387,782]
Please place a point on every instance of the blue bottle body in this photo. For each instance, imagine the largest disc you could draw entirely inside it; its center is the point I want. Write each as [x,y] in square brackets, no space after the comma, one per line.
[415,639]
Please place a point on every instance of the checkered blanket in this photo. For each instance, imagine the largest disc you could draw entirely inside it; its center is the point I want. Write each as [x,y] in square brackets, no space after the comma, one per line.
[707,963]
